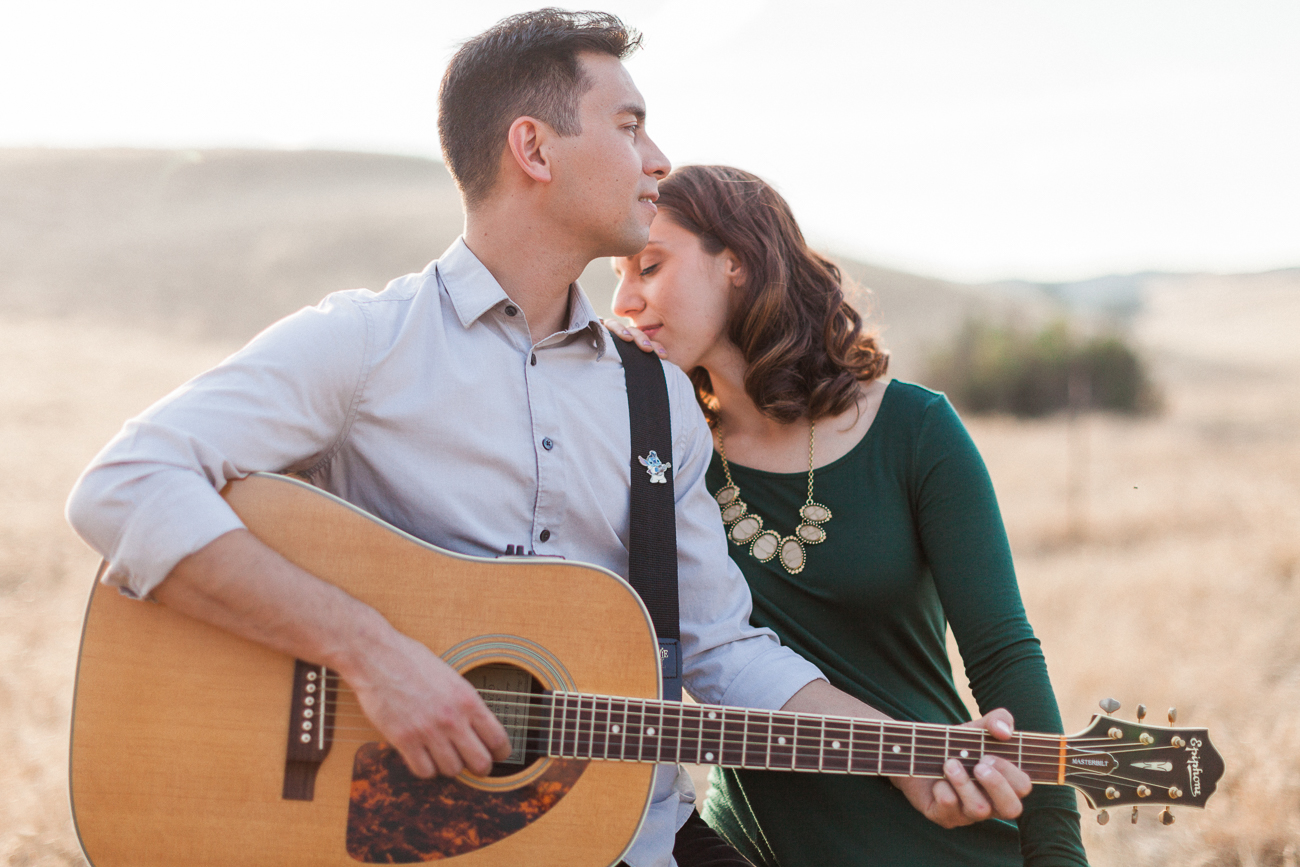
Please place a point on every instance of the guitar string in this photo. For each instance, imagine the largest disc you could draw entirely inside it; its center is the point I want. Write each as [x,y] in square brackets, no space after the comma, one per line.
[539,715]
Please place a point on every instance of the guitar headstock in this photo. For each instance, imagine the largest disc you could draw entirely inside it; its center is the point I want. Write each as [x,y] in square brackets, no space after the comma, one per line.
[1115,762]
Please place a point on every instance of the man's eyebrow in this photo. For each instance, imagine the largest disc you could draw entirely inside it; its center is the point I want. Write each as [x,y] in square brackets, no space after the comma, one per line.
[636,109]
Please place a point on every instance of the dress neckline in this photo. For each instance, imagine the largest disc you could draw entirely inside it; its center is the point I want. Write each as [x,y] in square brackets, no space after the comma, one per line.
[803,474]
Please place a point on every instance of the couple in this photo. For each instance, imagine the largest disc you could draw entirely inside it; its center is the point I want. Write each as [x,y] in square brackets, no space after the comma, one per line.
[476,404]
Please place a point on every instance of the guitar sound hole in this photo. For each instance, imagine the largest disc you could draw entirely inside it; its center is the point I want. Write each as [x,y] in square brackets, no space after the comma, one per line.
[516,698]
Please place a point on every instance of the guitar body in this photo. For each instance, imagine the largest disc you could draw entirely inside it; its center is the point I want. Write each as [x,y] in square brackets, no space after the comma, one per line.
[180,730]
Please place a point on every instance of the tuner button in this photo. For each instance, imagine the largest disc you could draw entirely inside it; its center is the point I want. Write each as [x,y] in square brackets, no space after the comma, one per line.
[1175,792]
[1103,817]
[1173,715]
[1166,817]
[1146,738]
[1134,817]
[1178,742]
[1143,791]
[1112,792]
[1115,734]
[1109,705]
[1142,712]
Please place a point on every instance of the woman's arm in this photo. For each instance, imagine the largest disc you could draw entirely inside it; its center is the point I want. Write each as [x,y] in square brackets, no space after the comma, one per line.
[969,556]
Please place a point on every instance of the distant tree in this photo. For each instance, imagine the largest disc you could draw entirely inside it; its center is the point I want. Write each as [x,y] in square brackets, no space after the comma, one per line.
[990,368]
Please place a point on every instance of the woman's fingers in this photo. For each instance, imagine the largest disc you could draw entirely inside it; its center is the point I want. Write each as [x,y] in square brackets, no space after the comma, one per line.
[632,334]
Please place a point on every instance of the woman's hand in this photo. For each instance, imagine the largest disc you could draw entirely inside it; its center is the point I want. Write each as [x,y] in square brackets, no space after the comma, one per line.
[957,799]
[632,334]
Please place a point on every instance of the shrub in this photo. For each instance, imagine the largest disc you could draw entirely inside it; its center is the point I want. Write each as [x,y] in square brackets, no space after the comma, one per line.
[996,368]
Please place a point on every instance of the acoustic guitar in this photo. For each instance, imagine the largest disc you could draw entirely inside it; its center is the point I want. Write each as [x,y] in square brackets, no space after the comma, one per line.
[193,747]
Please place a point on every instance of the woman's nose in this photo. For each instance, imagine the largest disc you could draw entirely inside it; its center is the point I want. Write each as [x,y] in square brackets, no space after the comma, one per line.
[627,301]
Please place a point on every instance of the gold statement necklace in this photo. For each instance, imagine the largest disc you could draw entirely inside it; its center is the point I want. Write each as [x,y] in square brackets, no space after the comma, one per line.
[746,528]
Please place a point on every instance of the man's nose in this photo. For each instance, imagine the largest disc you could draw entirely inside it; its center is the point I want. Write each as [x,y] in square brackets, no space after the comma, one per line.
[655,162]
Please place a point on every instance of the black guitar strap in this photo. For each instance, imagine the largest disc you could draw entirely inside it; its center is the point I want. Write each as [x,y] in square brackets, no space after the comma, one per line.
[652,566]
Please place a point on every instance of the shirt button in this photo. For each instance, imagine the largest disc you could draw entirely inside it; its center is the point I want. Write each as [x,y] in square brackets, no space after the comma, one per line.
[548,443]
[511,310]
[544,535]
[534,360]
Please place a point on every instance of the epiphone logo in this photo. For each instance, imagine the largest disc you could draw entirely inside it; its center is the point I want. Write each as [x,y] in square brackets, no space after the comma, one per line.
[1194,765]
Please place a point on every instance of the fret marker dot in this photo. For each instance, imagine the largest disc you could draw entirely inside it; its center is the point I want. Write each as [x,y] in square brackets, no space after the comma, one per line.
[650,732]
[965,754]
[781,741]
[708,757]
[614,729]
[835,745]
[712,715]
[897,748]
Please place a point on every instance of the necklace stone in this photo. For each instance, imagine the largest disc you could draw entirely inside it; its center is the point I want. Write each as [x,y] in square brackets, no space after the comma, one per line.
[746,528]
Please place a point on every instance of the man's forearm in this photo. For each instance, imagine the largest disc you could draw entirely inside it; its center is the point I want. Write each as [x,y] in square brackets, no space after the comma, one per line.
[418,703]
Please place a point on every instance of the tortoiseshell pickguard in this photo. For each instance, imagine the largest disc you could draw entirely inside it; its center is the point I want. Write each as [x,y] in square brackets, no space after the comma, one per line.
[397,818]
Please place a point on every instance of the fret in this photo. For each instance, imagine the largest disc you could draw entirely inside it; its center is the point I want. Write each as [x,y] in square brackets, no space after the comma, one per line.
[670,731]
[880,749]
[586,723]
[550,728]
[837,745]
[896,743]
[1005,749]
[807,744]
[651,726]
[622,730]
[690,734]
[711,734]
[911,762]
[931,751]
[731,749]
[634,727]
[780,742]
[966,745]
[600,721]
[744,741]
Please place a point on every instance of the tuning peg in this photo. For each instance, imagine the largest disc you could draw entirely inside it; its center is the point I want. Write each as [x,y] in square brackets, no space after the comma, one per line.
[1166,817]
[1134,818]
[1103,817]
[1142,712]
[1109,705]
[1173,715]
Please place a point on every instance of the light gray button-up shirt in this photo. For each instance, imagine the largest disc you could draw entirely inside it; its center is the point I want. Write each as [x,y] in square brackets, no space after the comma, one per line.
[429,405]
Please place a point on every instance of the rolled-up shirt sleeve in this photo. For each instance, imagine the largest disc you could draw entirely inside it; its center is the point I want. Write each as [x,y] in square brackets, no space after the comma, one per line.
[283,402]
[725,660]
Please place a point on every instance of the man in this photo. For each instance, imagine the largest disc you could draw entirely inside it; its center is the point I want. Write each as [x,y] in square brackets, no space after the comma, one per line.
[474,405]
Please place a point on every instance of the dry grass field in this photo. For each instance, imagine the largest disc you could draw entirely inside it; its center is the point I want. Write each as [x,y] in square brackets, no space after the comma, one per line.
[1159,557]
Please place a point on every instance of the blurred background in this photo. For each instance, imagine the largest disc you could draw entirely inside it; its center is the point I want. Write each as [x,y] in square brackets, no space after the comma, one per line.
[1080,220]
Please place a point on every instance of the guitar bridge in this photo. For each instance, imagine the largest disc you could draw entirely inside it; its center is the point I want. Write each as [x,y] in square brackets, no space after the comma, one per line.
[311,729]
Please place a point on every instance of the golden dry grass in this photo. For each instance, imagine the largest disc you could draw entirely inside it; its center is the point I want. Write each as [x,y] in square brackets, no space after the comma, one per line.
[1180,588]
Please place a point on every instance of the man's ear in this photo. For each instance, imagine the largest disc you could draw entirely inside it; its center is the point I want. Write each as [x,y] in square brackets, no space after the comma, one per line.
[526,142]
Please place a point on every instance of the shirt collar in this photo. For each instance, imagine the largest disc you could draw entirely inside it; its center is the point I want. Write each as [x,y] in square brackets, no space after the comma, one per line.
[474,291]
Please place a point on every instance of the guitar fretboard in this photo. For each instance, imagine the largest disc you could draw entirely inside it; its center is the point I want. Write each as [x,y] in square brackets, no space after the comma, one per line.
[641,730]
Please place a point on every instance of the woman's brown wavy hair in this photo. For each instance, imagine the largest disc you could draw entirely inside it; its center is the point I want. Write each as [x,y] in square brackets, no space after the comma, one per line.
[805,347]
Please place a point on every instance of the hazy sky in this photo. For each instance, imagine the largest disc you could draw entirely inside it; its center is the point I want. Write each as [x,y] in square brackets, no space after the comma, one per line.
[972,139]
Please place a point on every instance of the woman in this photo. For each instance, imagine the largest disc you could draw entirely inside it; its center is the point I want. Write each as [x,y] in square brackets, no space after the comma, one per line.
[859,512]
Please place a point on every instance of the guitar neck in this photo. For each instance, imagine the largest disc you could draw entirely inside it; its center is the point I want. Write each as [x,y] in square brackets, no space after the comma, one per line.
[576,725]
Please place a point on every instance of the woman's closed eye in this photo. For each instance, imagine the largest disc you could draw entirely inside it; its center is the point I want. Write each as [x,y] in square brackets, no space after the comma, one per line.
[649,269]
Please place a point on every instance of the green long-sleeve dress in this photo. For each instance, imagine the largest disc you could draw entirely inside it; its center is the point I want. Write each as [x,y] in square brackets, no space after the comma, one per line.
[915,542]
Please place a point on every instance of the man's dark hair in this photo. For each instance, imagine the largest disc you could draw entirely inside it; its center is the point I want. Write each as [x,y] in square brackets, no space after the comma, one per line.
[526,64]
